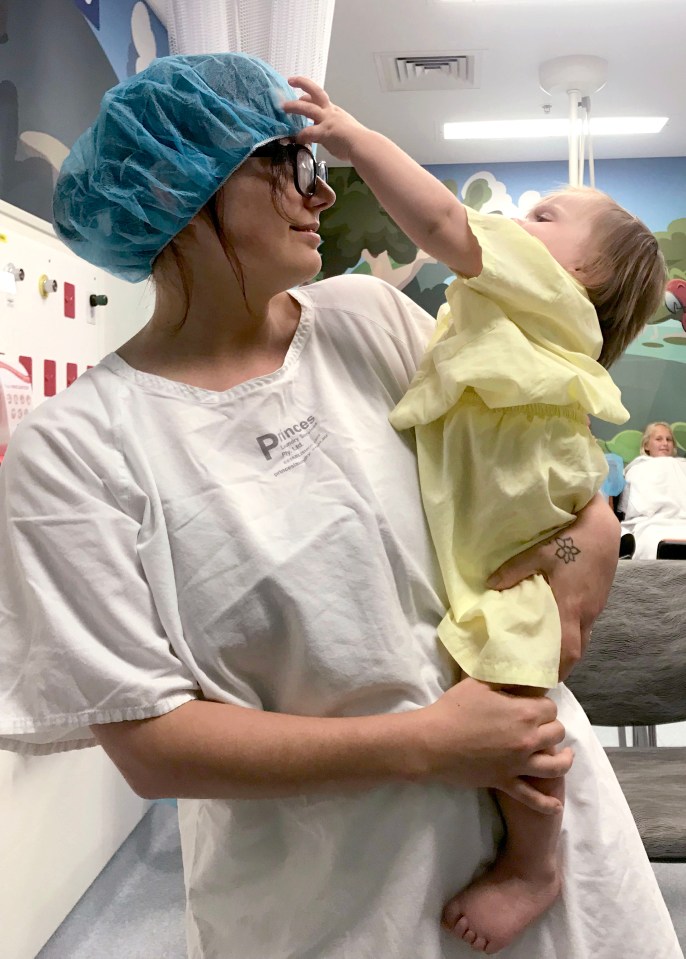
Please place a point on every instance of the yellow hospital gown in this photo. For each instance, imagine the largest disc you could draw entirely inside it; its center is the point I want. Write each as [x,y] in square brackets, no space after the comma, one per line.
[506,458]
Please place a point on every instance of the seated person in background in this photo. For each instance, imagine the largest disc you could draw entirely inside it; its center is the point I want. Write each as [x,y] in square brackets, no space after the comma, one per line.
[654,498]
[613,484]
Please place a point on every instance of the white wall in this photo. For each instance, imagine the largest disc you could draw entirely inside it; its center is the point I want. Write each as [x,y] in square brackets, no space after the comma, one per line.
[62,816]
[33,326]
[61,819]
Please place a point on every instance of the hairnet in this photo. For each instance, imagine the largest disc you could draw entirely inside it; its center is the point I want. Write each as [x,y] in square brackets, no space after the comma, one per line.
[164,141]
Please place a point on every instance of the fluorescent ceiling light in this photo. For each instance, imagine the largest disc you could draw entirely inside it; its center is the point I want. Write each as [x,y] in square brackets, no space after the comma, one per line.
[518,129]
[549,3]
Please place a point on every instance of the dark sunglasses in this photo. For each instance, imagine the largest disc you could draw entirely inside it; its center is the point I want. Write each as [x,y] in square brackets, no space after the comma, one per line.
[306,170]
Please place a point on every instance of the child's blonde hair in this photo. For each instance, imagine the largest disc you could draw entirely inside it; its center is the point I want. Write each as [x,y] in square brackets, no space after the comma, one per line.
[625,274]
[648,432]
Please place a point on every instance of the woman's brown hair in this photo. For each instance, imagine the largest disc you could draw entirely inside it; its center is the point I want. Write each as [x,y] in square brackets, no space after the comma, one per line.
[169,268]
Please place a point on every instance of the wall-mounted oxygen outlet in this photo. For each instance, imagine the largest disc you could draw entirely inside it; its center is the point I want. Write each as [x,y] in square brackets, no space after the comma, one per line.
[46,286]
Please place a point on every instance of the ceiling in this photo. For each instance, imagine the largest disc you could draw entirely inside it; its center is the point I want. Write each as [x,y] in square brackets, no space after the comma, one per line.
[640,39]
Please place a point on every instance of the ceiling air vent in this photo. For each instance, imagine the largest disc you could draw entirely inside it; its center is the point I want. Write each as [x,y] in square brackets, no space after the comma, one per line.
[426,71]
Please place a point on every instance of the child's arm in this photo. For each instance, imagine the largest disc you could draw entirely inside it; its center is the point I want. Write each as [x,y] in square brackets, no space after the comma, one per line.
[422,207]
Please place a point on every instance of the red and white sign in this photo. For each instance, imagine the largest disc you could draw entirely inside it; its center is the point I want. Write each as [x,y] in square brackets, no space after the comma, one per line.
[15,398]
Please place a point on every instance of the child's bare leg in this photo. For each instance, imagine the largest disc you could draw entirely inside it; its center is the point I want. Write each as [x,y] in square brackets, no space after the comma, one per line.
[523,881]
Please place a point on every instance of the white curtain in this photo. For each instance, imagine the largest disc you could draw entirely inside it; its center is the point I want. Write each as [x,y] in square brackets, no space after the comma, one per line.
[291,35]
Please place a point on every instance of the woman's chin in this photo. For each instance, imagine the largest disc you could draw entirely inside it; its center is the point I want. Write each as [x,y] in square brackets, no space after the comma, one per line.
[307,270]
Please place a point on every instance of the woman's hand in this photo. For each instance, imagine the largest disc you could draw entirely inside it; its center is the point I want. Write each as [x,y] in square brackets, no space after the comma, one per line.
[579,563]
[477,736]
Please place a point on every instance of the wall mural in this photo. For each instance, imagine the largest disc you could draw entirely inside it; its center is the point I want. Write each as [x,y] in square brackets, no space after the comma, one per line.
[359,237]
[58,59]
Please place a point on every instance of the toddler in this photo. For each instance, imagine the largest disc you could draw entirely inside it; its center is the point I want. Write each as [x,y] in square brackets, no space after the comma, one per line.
[539,310]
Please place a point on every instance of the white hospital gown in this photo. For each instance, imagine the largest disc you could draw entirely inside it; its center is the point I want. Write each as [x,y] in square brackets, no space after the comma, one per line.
[654,502]
[266,546]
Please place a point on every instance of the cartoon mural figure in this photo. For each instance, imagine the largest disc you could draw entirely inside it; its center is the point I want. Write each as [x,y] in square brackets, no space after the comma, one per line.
[27,182]
[666,331]
[143,48]
[85,48]
[91,10]
[675,300]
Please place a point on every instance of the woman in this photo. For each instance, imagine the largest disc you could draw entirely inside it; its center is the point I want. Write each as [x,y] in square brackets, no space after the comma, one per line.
[245,617]
[654,497]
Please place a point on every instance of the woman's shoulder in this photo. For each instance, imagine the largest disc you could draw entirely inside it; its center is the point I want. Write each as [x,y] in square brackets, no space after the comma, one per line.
[371,301]
[355,289]
[79,420]
[364,316]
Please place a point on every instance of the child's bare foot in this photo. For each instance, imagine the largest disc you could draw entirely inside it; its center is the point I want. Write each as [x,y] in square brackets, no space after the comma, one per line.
[499,905]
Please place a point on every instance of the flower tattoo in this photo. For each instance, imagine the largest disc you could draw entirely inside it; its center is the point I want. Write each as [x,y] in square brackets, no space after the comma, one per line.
[566,550]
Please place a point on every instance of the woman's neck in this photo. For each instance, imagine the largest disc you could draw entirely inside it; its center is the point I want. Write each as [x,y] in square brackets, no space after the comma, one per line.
[218,342]
[221,326]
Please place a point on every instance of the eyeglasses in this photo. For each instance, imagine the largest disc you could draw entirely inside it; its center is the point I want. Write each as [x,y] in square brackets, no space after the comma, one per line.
[306,169]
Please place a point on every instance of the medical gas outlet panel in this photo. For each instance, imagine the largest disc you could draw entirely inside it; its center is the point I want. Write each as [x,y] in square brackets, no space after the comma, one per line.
[59,315]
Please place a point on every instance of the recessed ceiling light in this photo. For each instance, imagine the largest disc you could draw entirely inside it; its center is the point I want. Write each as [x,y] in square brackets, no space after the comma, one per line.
[540,3]
[517,129]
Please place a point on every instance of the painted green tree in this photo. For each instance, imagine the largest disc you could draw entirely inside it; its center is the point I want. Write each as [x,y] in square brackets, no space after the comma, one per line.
[478,193]
[355,223]
[358,235]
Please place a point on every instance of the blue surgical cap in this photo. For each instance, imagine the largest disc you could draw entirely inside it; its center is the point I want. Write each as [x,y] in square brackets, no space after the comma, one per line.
[163,143]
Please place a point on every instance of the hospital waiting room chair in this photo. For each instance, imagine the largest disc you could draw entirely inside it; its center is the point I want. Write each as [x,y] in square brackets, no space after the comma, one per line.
[634,674]
[671,549]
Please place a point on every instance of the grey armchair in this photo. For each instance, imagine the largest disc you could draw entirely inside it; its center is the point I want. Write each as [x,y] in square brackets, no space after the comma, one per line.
[634,673]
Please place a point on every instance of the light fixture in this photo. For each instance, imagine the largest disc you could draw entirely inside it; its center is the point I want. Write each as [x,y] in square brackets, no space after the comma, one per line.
[530,3]
[546,127]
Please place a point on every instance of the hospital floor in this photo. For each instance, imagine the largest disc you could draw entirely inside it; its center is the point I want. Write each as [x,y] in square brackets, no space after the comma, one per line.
[134,909]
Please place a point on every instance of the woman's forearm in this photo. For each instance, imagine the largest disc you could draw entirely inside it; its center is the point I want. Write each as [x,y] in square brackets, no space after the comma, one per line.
[472,736]
[215,750]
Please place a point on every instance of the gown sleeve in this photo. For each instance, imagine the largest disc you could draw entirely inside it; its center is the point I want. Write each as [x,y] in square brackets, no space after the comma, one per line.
[81,641]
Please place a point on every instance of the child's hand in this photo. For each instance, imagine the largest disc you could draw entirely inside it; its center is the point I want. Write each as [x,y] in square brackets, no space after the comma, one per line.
[332,127]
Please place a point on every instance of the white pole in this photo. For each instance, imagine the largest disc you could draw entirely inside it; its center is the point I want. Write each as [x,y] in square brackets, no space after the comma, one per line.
[573,137]
[591,162]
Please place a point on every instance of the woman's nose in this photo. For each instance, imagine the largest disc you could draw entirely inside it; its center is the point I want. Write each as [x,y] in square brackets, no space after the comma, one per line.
[323,197]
